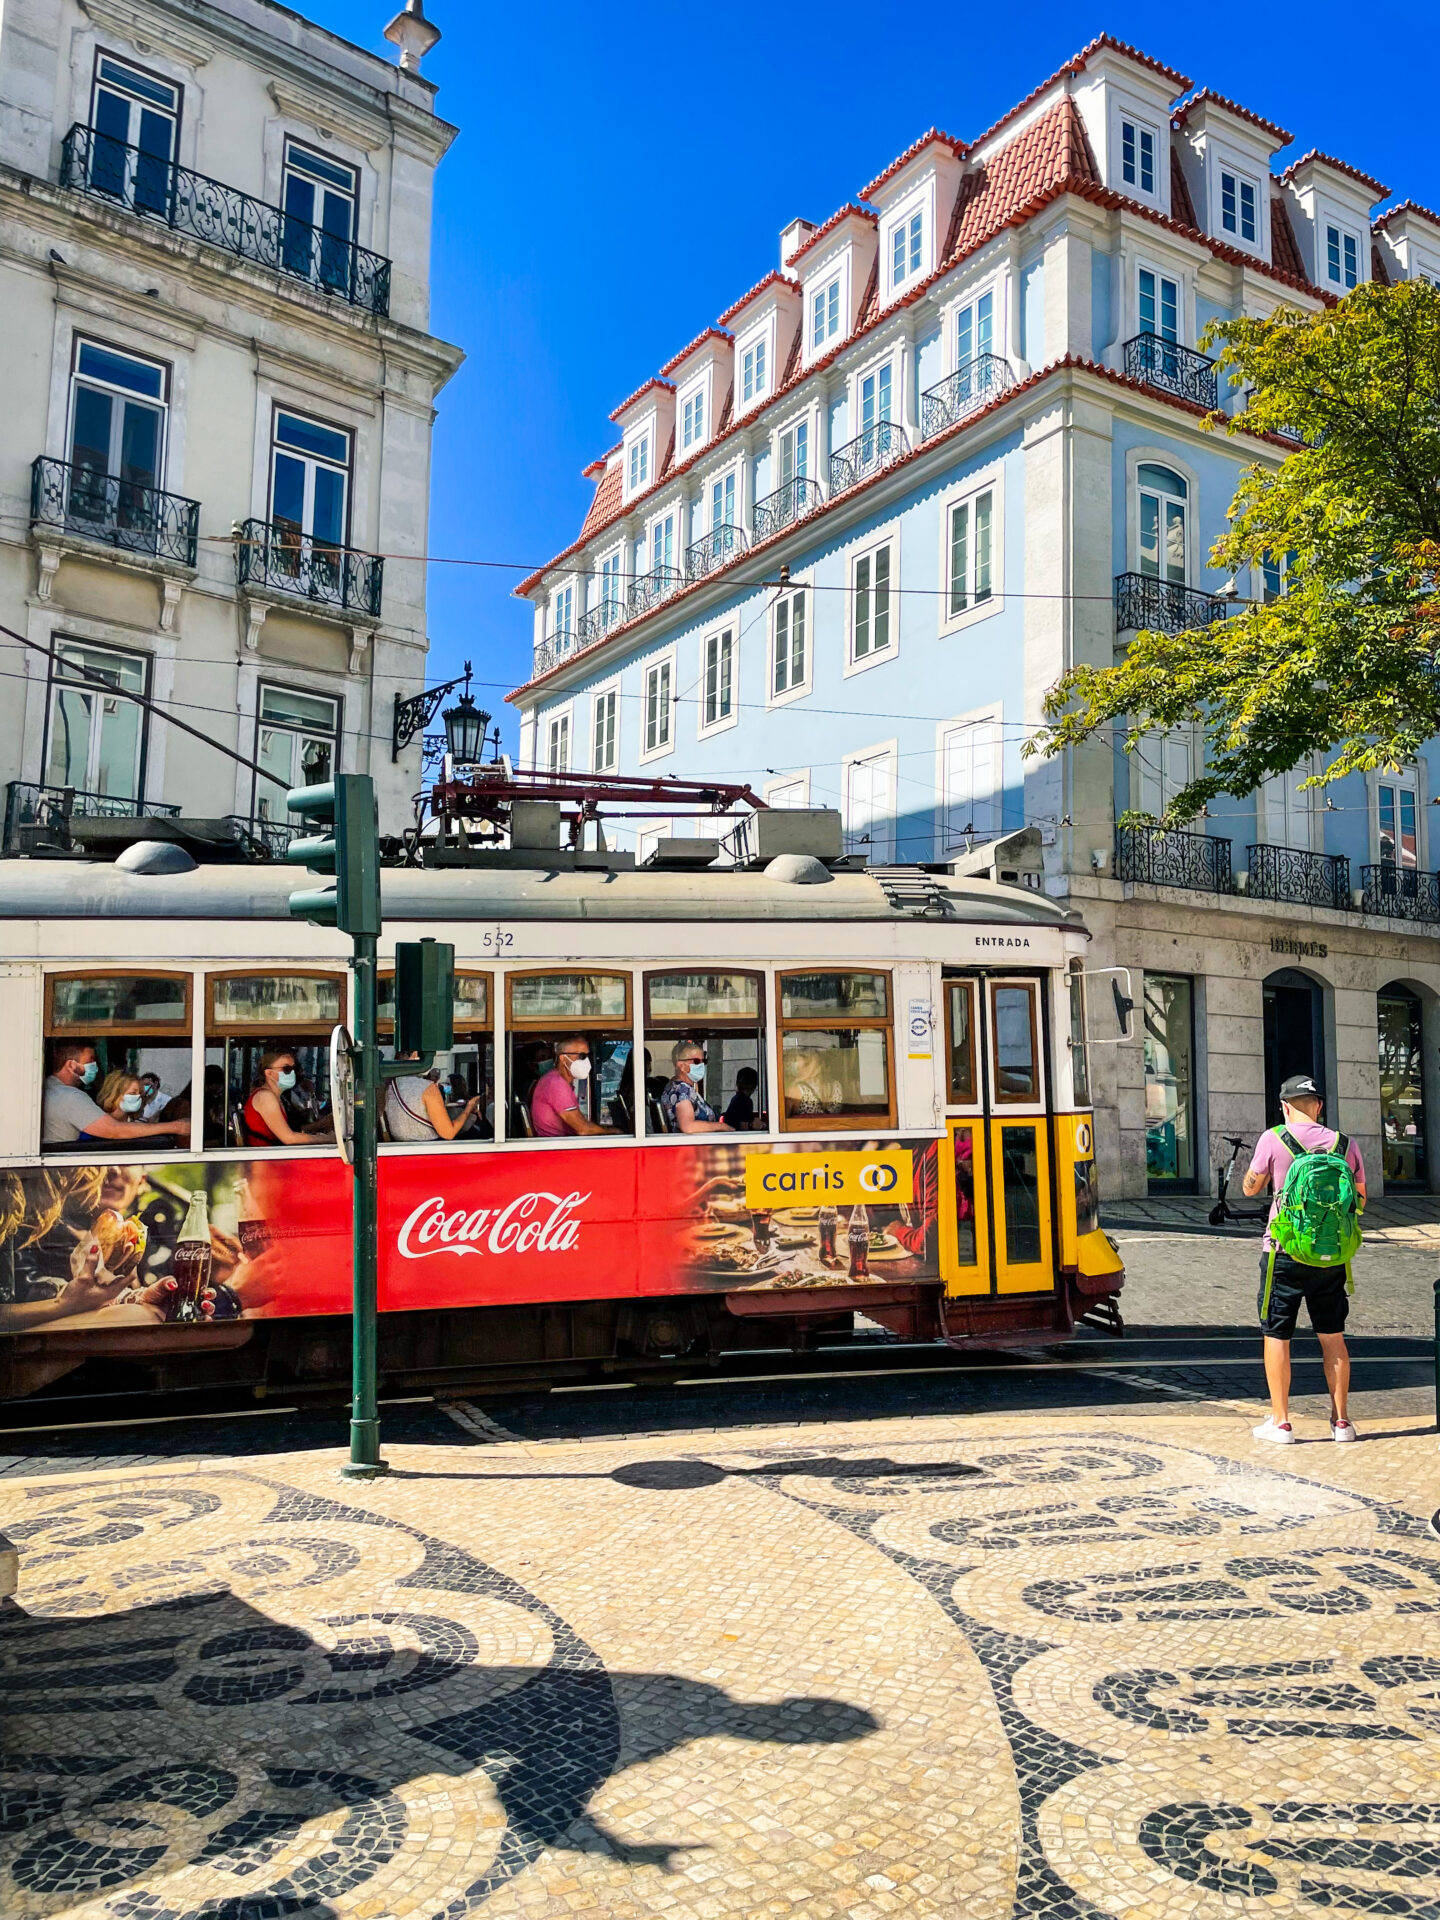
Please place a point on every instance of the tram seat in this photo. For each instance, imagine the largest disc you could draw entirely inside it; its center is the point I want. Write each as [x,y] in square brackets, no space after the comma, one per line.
[237,1128]
[521,1126]
[659,1120]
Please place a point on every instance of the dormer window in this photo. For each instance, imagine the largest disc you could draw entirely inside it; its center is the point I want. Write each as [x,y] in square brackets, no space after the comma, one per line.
[1342,258]
[1237,207]
[639,463]
[752,371]
[905,248]
[1137,157]
[824,314]
[692,420]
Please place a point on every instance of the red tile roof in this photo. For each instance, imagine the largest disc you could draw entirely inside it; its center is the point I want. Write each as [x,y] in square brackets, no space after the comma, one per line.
[933,137]
[1408,206]
[1052,151]
[1181,205]
[1075,65]
[759,287]
[823,233]
[1207,96]
[604,506]
[679,359]
[1340,166]
[666,386]
[1284,247]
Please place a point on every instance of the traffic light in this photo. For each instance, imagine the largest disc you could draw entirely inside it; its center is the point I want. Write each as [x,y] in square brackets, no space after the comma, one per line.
[348,849]
[424,997]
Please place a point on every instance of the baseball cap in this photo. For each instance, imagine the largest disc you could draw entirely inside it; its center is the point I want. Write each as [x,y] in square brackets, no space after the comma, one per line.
[1300,1086]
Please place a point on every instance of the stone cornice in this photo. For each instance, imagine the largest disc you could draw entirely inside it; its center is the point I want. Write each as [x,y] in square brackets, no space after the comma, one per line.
[370,131]
[138,25]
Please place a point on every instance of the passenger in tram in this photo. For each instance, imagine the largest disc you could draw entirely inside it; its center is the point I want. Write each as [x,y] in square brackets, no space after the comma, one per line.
[122,1097]
[263,1117]
[740,1114]
[684,1106]
[154,1096]
[415,1109]
[67,1110]
[803,1091]
[555,1102]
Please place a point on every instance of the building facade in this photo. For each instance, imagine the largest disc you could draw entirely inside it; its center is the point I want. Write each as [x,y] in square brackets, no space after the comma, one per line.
[954,445]
[215,457]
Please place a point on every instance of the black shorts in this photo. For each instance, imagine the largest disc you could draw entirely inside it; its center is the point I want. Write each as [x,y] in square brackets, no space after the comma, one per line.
[1321,1288]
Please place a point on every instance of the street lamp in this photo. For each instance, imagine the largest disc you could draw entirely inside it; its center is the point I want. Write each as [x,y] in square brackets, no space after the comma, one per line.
[465,725]
[414,715]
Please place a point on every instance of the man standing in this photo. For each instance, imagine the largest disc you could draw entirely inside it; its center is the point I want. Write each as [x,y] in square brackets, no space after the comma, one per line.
[1286,1281]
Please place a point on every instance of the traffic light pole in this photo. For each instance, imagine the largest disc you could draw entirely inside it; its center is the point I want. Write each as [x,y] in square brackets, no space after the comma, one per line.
[365,1462]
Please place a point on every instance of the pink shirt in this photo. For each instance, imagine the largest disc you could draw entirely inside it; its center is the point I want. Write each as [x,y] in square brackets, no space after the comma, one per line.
[553,1096]
[1272,1158]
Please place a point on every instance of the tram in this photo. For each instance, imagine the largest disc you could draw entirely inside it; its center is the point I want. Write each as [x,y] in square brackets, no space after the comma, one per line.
[912,1139]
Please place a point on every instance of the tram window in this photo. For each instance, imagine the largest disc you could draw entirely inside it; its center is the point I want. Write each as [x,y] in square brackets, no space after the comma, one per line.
[835,1060]
[138,1025]
[1079,1050]
[467,1072]
[721,1013]
[569,1016]
[1015,1044]
[960,1041]
[260,1028]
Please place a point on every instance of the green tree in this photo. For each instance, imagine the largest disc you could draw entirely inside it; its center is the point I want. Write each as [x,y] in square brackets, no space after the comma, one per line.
[1344,663]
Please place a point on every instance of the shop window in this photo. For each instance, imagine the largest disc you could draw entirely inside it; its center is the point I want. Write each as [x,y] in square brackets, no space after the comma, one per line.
[139,1026]
[253,1015]
[545,1011]
[1169,1081]
[467,1072]
[1402,1096]
[722,1014]
[835,1060]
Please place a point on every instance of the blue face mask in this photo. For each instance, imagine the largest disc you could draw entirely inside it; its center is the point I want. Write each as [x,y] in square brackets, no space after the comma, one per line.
[285,1080]
[131,1103]
[88,1073]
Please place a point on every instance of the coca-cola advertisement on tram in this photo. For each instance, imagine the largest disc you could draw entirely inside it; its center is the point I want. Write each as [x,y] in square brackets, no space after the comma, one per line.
[109,1246]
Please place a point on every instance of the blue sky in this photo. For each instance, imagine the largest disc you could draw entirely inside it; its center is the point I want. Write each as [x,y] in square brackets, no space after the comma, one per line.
[622,174]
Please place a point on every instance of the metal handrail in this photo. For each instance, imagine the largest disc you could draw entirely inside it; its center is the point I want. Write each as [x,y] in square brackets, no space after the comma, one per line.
[1297,875]
[1399,893]
[789,503]
[40,815]
[1174,369]
[983,378]
[868,453]
[286,561]
[1170,857]
[124,514]
[1145,604]
[554,648]
[714,550]
[221,216]
[597,621]
[651,588]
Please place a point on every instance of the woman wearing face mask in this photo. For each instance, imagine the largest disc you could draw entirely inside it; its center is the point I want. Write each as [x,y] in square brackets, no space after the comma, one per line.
[682,1103]
[415,1109]
[121,1096]
[263,1119]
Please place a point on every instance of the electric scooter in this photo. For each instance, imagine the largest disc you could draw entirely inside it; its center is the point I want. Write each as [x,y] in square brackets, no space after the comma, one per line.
[1222,1209]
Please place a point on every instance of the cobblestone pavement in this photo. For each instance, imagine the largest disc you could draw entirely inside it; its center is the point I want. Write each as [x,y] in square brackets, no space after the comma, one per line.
[1072,1664]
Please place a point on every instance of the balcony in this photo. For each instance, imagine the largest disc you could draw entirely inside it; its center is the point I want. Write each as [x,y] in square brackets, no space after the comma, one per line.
[788,505]
[554,648]
[1399,893]
[1303,879]
[649,589]
[285,562]
[1172,368]
[717,549]
[117,513]
[595,624]
[867,454]
[1164,857]
[971,387]
[220,216]
[37,818]
[1144,604]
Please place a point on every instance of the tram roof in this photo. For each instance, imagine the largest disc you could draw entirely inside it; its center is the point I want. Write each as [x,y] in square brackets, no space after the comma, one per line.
[77,890]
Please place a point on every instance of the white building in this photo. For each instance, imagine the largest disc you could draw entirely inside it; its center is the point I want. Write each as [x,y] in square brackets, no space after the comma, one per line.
[215,451]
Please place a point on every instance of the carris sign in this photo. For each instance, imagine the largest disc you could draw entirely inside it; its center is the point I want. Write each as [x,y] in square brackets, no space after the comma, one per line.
[531,1222]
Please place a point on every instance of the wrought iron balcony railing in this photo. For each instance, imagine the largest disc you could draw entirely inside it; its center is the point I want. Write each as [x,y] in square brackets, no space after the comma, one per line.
[122,514]
[868,453]
[716,549]
[1306,879]
[1166,857]
[38,817]
[220,216]
[981,380]
[1401,893]
[787,505]
[651,588]
[272,835]
[288,562]
[597,622]
[1174,369]
[554,648]
[1163,606]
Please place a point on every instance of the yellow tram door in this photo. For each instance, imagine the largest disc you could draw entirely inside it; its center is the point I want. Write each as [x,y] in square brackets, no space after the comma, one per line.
[997,1232]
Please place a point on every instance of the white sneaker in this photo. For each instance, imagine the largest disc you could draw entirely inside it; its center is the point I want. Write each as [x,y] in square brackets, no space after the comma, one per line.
[1279,1433]
[1342,1430]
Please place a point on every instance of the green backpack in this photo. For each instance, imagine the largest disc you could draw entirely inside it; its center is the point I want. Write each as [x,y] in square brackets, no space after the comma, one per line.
[1317,1221]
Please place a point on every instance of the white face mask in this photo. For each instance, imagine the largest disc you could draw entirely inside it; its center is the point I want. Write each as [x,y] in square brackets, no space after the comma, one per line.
[580,1069]
[697,1072]
[130,1103]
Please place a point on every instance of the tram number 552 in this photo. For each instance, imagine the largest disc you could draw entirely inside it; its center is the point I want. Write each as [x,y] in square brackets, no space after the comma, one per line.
[496,940]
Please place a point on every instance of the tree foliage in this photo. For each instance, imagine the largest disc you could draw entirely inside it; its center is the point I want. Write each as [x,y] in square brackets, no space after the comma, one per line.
[1344,664]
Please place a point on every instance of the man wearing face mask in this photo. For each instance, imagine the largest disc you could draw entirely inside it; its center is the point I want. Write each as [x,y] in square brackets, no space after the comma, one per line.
[681,1103]
[555,1103]
[68,1110]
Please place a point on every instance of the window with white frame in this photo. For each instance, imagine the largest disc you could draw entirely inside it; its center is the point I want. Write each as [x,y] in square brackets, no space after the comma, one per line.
[118,413]
[867,808]
[662,543]
[871,616]
[1342,258]
[610,581]
[906,248]
[1162,522]
[789,647]
[605,731]
[563,611]
[970,552]
[96,740]
[692,419]
[1162,764]
[795,452]
[1159,305]
[794,791]
[970,763]
[718,679]
[1238,206]
[309,491]
[1397,801]
[876,389]
[136,119]
[297,738]
[557,757]
[657,706]
[321,198]
[722,501]
[974,329]
[752,371]
[639,463]
[1137,156]
[1274,576]
[824,314]
[1288,806]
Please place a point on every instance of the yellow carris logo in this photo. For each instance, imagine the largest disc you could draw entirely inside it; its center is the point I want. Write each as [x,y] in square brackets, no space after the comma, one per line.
[839,1179]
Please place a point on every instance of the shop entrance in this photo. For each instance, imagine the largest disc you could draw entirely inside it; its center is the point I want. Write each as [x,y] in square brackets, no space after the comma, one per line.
[1294,1035]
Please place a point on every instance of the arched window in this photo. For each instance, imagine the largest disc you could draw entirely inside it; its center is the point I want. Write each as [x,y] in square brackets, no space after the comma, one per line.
[1164,503]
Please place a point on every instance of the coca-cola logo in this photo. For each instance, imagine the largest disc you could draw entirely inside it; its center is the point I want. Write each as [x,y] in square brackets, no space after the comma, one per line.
[530,1223]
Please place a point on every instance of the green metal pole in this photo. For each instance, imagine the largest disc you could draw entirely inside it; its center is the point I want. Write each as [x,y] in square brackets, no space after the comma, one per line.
[365,1461]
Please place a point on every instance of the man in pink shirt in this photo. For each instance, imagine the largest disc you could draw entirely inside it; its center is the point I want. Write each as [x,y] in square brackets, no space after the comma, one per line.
[555,1102]
[1322,1289]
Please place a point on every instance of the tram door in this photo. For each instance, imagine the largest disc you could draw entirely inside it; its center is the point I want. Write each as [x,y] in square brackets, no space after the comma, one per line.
[998,1238]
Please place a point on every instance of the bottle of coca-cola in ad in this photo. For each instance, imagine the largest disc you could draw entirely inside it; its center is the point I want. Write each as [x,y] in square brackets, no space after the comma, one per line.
[858,1236]
[193,1260]
[829,1223]
[253,1228]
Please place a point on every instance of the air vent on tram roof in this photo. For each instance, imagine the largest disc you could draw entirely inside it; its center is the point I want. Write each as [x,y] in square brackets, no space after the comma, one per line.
[912,890]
